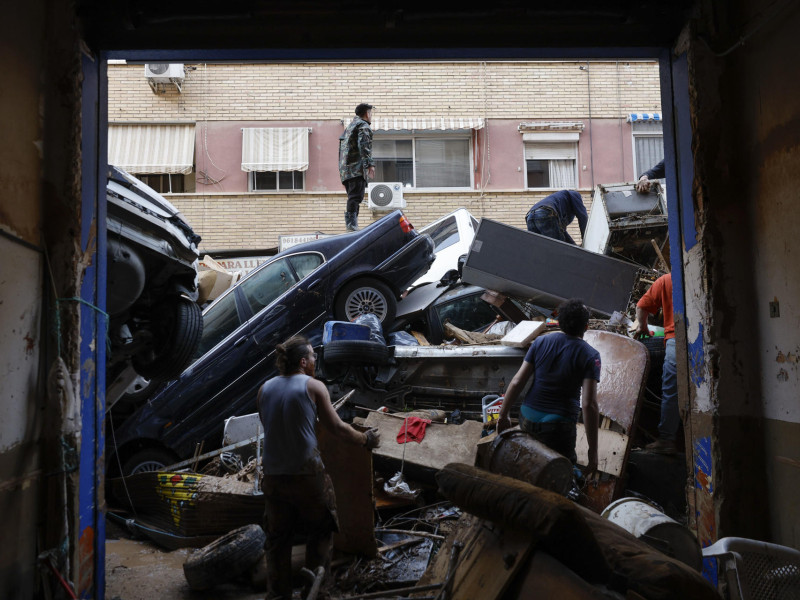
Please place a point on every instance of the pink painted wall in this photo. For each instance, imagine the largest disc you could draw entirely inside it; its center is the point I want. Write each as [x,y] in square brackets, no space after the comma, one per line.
[218,153]
[604,146]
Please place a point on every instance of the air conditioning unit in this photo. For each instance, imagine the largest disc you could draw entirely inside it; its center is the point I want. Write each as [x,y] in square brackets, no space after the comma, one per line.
[385,196]
[164,72]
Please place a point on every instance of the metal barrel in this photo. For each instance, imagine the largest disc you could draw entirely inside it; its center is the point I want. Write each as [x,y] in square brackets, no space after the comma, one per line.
[652,526]
[516,454]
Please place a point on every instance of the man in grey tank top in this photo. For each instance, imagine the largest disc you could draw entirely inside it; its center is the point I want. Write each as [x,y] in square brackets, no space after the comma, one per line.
[298,492]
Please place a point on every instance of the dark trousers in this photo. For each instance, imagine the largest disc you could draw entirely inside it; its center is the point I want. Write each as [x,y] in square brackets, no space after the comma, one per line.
[355,192]
[297,504]
[558,436]
[545,221]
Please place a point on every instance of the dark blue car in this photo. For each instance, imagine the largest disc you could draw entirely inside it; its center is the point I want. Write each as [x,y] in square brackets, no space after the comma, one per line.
[293,293]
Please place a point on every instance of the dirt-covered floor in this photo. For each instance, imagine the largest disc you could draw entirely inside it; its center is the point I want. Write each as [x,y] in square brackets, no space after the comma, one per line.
[140,570]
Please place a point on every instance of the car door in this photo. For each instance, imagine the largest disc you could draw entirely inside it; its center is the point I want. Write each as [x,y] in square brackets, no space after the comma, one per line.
[290,297]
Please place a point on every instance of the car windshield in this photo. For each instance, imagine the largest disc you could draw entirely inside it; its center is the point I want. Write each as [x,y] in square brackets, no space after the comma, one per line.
[444,234]
[468,312]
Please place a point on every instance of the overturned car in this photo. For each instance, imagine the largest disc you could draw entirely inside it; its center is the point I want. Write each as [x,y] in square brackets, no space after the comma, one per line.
[293,293]
[155,323]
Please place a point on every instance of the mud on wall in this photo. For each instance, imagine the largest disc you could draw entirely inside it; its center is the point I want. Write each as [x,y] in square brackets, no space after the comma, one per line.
[38,164]
[742,283]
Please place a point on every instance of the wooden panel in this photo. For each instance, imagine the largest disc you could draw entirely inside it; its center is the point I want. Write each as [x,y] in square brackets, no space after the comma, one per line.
[350,468]
[611,450]
[622,377]
[442,444]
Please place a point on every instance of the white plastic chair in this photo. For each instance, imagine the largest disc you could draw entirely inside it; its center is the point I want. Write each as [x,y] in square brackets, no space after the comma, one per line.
[754,570]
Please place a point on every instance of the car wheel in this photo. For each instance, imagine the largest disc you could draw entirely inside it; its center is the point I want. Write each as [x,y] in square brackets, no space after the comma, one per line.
[176,326]
[148,460]
[356,351]
[225,558]
[364,296]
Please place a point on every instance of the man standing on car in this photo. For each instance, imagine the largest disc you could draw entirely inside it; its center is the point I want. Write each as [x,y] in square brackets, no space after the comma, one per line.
[565,371]
[298,492]
[551,215]
[356,165]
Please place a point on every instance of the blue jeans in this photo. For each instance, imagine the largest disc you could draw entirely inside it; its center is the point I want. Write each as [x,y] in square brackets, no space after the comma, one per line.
[670,415]
[544,221]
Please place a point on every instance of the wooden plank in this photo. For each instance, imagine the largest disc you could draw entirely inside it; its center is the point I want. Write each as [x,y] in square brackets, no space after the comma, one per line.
[350,469]
[523,334]
[611,450]
[443,442]
[487,566]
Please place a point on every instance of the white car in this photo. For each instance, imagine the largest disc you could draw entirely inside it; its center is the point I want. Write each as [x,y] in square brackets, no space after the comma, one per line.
[452,236]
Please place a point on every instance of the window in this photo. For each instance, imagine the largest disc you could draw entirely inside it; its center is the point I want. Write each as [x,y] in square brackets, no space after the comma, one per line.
[648,144]
[424,161]
[272,181]
[160,155]
[275,158]
[219,321]
[266,285]
[164,183]
[305,264]
[551,165]
[468,312]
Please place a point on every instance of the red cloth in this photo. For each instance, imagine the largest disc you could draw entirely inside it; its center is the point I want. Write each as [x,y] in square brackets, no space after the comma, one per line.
[660,296]
[413,430]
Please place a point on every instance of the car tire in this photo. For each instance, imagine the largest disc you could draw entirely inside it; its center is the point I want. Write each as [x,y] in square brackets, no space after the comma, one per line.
[367,295]
[356,351]
[148,460]
[226,558]
[177,328]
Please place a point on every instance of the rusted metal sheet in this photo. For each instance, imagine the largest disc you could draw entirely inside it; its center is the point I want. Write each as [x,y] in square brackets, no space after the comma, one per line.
[516,454]
[350,469]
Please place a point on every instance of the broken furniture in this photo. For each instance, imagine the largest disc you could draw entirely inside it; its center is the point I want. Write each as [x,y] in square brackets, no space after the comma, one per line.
[623,375]
[552,271]
[626,224]
[443,443]
[754,570]
[513,523]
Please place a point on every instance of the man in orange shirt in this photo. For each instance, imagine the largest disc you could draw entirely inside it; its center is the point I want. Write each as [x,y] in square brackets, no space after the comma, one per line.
[660,296]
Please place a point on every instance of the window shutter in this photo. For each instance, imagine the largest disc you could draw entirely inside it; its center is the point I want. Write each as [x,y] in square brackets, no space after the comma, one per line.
[548,151]
[275,149]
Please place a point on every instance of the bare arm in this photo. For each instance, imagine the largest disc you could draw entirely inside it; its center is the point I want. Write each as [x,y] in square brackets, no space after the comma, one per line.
[642,331]
[591,420]
[328,417]
[512,393]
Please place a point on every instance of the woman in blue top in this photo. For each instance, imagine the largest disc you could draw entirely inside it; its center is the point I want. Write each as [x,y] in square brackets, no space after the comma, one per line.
[565,371]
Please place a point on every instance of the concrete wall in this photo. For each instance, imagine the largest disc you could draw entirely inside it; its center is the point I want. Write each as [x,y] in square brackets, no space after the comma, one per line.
[39,150]
[743,357]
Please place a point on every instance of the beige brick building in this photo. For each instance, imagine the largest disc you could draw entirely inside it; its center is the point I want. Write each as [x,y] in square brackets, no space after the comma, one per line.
[573,118]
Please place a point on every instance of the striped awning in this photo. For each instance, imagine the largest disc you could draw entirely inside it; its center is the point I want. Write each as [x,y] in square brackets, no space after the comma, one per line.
[151,148]
[429,123]
[275,149]
[633,117]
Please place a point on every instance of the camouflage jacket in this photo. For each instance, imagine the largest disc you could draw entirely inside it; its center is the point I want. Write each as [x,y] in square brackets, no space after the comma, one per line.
[355,150]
